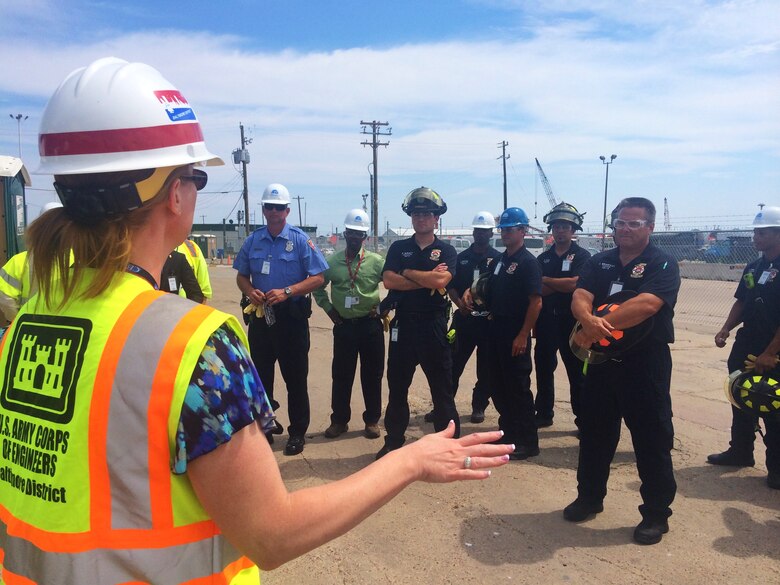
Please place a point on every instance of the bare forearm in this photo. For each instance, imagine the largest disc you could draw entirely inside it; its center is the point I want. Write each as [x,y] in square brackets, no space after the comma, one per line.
[564,285]
[634,311]
[532,314]
[394,281]
[307,285]
[428,278]
[734,317]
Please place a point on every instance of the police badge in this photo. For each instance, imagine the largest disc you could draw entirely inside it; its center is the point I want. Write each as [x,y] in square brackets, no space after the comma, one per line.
[289,246]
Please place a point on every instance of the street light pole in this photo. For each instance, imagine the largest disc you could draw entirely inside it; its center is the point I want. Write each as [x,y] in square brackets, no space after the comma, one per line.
[19,119]
[606,184]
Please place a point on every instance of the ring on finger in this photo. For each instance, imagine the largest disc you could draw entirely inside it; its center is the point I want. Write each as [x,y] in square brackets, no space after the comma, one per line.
[467,463]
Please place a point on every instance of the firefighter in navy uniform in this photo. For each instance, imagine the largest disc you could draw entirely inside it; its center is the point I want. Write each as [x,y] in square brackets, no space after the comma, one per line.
[470,320]
[561,265]
[514,300]
[757,307]
[416,272]
[634,387]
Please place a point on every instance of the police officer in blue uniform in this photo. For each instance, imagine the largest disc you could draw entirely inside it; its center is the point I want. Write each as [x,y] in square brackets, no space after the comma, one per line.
[278,266]
[561,265]
[757,307]
[635,387]
[416,272]
[513,296]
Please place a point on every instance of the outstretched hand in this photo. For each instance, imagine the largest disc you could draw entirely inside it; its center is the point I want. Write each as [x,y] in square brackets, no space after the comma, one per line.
[440,458]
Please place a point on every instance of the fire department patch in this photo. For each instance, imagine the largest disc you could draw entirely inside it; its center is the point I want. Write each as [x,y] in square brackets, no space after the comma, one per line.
[511,268]
[311,244]
[570,257]
[638,271]
[772,274]
[435,254]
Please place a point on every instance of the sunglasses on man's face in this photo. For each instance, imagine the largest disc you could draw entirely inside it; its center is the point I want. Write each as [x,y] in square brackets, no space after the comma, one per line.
[198,178]
[274,206]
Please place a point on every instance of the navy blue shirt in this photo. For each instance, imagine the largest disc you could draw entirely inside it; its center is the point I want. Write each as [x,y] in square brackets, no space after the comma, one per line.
[468,263]
[291,257]
[553,267]
[653,271]
[761,300]
[512,281]
[406,254]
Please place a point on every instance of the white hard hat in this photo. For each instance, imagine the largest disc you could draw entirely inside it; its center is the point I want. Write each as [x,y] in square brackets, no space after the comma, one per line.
[117,116]
[357,219]
[276,193]
[483,220]
[767,217]
[49,206]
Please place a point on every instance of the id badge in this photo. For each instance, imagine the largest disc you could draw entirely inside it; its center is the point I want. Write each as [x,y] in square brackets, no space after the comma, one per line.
[475,278]
[347,302]
[394,334]
[566,266]
[266,269]
[764,277]
[615,287]
[497,268]
[172,283]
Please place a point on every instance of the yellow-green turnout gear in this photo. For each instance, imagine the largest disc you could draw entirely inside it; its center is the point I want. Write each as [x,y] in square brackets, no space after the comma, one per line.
[89,411]
[199,266]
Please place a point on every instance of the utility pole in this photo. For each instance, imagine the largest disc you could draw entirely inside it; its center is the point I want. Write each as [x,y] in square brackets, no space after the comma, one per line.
[374,144]
[300,219]
[241,155]
[503,158]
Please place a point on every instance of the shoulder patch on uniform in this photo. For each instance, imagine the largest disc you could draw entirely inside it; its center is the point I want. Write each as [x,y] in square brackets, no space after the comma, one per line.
[311,244]
[45,357]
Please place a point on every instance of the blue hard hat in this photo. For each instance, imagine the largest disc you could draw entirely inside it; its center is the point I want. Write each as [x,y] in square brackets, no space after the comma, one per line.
[512,217]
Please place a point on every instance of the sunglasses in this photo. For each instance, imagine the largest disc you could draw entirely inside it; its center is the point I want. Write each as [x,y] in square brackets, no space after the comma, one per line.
[274,206]
[198,178]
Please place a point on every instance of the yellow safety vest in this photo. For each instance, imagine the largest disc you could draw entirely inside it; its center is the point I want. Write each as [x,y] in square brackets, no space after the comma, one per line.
[199,266]
[89,409]
[15,284]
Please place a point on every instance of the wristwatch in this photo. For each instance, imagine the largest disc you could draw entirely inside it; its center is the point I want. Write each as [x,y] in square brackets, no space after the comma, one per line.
[287,291]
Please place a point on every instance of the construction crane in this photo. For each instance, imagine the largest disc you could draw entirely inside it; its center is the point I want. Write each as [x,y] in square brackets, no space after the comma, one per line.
[667,221]
[545,184]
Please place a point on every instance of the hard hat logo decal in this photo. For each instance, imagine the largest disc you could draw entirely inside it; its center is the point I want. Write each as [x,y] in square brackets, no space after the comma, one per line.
[176,105]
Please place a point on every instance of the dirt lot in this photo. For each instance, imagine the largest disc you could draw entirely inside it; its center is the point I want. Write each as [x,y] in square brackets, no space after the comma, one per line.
[725,527]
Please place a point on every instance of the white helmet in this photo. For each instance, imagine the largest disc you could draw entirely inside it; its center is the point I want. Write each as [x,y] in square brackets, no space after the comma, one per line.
[357,219]
[767,217]
[116,116]
[484,220]
[49,206]
[276,193]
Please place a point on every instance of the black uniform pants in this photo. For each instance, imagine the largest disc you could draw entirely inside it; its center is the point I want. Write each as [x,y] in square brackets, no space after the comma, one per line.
[635,389]
[510,380]
[471,333]
[287,341]
[743,424]
[421,339]
[552,336]
[364,338]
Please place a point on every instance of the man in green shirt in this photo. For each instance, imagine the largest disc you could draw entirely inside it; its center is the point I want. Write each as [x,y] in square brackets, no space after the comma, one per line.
[354,276]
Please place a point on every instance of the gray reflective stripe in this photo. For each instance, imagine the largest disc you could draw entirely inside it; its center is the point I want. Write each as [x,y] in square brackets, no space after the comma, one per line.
[127,447]
[160,566]
[10,279]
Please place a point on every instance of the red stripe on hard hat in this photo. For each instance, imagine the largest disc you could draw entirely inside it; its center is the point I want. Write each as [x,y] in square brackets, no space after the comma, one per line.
[121,140]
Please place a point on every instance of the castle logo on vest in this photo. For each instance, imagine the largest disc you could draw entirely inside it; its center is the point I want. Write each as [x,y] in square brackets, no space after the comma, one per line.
[45,357]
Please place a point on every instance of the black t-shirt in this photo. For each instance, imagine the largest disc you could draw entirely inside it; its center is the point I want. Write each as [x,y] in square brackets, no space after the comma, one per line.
[512,281]
[759,291]
[567,265]
[653,271]
[406,254]
[470,264]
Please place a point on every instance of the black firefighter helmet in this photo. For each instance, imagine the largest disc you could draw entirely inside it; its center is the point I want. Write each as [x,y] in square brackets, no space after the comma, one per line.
[618,341]
[758,394]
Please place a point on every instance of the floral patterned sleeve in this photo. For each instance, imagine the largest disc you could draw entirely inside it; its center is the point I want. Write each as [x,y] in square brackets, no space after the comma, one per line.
[225,395]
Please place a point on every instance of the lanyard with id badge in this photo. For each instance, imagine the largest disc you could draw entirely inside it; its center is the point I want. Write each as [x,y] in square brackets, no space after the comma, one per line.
[353,299]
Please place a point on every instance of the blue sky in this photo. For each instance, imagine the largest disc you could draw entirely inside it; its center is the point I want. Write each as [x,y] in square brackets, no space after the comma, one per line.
[687,94]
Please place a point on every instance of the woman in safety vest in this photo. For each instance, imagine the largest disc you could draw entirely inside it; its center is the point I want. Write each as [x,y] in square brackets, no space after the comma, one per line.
[127,415]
